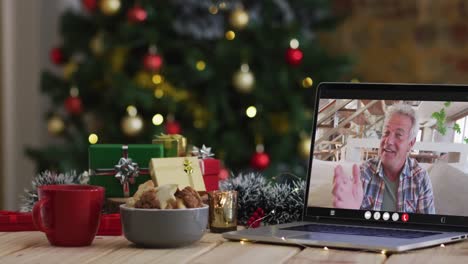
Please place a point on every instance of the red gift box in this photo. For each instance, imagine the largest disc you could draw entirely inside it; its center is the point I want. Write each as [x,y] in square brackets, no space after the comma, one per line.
[210,169]
[110,225]
[16,221]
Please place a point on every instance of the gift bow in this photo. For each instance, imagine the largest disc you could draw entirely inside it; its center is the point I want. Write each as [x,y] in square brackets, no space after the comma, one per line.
[202,153]
[125,171]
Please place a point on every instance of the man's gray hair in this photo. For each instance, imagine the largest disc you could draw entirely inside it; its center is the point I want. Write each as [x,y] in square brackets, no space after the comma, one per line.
[407,110]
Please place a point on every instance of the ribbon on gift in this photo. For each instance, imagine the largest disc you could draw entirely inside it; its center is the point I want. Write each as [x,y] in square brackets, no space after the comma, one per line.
[168,139]
[189,170]
[125,171]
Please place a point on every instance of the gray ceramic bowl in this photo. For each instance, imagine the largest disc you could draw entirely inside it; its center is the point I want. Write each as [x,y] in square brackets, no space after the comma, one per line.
[163,227]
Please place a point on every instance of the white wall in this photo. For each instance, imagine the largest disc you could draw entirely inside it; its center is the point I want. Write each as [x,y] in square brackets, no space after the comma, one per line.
[29,31]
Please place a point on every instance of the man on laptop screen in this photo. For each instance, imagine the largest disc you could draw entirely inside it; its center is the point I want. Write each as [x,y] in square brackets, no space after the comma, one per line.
[392,181]
[381,174]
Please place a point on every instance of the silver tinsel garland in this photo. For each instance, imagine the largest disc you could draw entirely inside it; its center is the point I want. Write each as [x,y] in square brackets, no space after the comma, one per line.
[29,198]
[281,202]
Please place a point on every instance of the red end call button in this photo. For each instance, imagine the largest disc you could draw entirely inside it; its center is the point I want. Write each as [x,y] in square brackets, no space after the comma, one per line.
[405,217]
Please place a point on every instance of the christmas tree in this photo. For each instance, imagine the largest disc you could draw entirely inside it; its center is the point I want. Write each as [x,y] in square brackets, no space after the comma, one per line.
[237,76]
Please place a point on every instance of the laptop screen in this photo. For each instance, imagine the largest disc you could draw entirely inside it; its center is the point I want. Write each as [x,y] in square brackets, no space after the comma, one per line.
[390,153]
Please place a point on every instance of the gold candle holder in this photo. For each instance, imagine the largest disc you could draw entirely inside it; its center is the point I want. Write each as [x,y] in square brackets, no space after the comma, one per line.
[223,211]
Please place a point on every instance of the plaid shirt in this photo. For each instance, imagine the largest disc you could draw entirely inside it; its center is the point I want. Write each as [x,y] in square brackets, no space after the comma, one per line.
[414,189]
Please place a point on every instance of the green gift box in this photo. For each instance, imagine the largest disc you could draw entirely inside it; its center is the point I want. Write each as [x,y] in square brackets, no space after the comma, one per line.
[174,144]
[103,159]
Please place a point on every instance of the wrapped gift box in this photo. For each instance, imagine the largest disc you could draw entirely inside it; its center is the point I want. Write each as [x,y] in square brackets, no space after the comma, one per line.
[184,171]
[16,221]
[210,169]
[11,221]
[104,157]
[174,145]
[110,225]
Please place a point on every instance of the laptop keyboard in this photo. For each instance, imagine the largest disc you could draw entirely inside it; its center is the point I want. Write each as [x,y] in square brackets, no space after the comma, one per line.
[362,231]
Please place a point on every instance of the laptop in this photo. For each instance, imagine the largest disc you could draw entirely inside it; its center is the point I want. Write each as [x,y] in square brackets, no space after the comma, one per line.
[348,127]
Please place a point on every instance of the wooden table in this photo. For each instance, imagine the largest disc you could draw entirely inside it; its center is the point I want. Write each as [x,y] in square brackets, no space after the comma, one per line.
[33,247]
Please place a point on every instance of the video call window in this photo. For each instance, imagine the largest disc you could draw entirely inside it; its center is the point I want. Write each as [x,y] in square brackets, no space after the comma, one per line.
[405,154]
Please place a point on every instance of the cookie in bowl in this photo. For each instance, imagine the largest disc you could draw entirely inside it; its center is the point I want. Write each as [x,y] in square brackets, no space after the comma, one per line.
[164,216]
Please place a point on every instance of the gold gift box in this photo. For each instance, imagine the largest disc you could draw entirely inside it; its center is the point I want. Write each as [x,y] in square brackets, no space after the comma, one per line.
[174,145]
[184,171]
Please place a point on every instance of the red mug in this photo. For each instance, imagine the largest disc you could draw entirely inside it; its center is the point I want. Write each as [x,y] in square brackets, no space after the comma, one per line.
[69,214]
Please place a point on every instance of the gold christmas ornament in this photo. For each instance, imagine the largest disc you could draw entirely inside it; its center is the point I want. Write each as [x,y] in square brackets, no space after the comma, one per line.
[55,125]
[239,19]
[92,122]
[144,79]
[243,80]
[69,69]
[304,147]
[280,123]
[213,10]
[230,35]
[132,125]
[118,58]
[110,7]
[97,44]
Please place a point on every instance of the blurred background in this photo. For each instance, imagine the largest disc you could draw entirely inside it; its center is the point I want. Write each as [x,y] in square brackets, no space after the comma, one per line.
[236,76]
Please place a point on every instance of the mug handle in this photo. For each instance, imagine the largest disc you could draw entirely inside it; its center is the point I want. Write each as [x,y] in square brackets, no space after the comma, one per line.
[37,219]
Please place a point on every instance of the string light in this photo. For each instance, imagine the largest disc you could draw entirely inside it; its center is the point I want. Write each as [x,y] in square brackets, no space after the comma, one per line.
[93,138]
[251,111]
[157,119]
[272,212]
[307,82]
[200,65]
[131,110]
[294,43]
[74,91]
[158,93]
[157,79]
[222,5]
[245,67]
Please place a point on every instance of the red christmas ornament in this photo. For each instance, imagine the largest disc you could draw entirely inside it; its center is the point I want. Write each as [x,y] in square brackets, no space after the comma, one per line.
[73,105]
[152,62]
[173,127]
[137,14]
[294,56]
[56,56]
[89,5]
[223,174]
[260,160]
